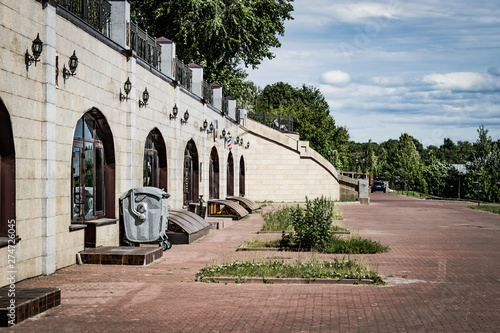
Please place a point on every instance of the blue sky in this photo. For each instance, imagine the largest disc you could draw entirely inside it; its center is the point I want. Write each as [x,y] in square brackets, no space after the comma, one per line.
[427,68]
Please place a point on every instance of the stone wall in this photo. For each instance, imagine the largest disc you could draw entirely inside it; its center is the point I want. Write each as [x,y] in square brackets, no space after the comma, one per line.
[44,109]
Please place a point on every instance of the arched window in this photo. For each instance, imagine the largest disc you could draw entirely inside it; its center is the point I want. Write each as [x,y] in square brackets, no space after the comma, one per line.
[230,175]
[92,169]
[213,175]
[7,175]
[190,174]
[242,177]
[155,161]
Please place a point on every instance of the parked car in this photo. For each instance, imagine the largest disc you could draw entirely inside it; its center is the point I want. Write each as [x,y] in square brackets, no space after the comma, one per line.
[378,186]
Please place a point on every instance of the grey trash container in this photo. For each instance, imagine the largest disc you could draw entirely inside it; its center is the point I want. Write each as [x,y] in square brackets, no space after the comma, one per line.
[144,213]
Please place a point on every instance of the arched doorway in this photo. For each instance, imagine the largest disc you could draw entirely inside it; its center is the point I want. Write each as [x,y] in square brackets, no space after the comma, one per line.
[155,161]
[242,177]
[7,175]
[213,175]
[190,174]
[93,169]
[230,175]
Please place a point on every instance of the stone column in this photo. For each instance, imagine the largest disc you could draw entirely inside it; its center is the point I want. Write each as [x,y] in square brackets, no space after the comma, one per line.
[217,95]
[197,87]
[120,22]
[48,144]
[167,56]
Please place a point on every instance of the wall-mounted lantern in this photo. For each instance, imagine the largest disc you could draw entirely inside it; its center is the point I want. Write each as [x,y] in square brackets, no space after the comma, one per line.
[145,99]
[210,128]
[73,64]
[223,134]
[36,49]
[248,145]
[127,87]
[204,127]
[175,111]
[237,140]
[186,117]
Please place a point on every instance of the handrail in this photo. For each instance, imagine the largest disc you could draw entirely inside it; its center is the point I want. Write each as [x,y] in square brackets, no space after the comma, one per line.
[146,46]
[95,13]
[183,74]
[208,93]
[278,122]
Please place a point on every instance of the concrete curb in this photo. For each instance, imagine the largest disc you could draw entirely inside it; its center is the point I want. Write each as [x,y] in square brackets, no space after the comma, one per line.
[285,280]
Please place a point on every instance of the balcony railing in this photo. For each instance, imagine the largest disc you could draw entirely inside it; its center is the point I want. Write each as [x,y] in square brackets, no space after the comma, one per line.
[183,74]
[278,122]
[225,106]
[145,46]
[95,13]
[208,93]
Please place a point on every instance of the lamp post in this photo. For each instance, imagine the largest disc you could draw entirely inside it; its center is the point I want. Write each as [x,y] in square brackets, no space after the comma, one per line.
[478,190]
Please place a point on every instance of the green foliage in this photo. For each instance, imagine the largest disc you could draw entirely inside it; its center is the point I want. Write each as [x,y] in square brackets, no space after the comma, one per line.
[313,225]
[217,34]
[312,118]
[336,269]
[279,220]
[487,208]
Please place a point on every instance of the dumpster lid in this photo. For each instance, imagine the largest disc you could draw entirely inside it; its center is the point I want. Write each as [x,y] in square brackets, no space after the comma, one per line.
[188,221]
[153,191]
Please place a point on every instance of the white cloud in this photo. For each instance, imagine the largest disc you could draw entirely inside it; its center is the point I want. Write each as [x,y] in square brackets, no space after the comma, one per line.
[388,80]
[462,81]
[335,77]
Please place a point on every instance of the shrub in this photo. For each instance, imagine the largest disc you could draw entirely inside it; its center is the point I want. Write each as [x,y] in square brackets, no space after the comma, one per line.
[313,225]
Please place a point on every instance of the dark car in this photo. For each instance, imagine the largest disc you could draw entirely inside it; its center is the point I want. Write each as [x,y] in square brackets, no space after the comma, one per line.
[378,186]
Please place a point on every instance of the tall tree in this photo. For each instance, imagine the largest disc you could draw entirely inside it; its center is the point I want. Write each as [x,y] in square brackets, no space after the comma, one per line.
[219,35]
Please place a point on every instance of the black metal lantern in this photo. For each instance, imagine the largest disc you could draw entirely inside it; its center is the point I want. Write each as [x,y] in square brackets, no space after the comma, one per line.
[127,87]
[145,98]
[223,134]
[186,117]
[210,128]
[36,49]
[73,64]
[204,127]
[175,111]
[248,145]
[237,140]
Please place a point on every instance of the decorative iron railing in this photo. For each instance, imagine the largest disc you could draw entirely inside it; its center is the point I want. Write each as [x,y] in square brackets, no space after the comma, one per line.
[145,46]
[225,106]
[208,93]
[183,74]
[95,13]
[278,122]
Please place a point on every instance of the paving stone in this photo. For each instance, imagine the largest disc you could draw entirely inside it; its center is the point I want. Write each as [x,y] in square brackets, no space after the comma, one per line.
[443,277]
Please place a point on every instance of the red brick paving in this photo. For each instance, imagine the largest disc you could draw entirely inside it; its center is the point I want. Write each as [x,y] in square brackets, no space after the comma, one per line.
[443,272]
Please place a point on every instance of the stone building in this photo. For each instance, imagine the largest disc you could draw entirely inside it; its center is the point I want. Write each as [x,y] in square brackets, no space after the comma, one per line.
[73,139]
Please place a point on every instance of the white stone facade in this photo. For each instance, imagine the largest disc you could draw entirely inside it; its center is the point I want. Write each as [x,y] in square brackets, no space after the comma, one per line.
[44,110]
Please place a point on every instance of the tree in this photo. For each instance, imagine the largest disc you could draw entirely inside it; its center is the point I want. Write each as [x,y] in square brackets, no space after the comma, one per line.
[218,35]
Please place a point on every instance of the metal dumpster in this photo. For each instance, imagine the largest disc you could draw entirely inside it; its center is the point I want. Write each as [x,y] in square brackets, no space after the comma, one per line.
[144,211]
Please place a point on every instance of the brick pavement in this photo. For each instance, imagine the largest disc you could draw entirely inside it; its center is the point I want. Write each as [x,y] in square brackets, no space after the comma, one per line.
[443,272]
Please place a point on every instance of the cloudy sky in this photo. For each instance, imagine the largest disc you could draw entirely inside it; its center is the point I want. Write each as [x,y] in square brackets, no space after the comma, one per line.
[425,67]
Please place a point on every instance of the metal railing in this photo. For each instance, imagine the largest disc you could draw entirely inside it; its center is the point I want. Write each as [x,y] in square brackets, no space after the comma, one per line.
[225,106]
[95,13]
[208,93]
[183,74]
[278,122]
[145,46]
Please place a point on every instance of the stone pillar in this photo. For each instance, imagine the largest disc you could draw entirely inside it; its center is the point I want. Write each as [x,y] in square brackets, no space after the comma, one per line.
[363,191]
[243,117]
[197,83]
[231,107]
[217,96]
[167,56]
[48,143]
[120,22]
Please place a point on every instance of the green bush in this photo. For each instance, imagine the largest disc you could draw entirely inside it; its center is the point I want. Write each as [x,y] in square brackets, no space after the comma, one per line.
[313,225]
[279,220]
